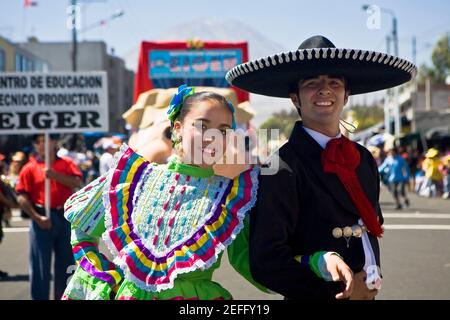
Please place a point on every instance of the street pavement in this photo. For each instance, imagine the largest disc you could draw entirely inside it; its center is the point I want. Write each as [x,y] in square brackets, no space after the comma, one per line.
[415,253]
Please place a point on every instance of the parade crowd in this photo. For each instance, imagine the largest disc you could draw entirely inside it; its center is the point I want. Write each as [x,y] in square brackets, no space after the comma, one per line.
[405,169]
[22,176]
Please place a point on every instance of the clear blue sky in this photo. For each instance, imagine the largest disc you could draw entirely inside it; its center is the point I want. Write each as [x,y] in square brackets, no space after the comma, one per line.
[287,22]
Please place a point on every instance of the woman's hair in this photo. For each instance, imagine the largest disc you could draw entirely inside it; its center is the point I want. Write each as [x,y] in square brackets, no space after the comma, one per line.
[200,97]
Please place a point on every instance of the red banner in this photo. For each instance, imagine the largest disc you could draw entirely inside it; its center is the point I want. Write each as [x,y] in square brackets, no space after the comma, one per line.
[196,63]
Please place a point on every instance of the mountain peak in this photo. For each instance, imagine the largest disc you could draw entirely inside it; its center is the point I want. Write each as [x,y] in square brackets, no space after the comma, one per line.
[219,29]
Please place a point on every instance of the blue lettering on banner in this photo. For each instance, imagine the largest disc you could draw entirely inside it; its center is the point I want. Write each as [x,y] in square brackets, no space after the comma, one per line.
[192,64]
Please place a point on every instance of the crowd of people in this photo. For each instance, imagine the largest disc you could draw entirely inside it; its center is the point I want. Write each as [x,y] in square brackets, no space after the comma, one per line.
[405,169]
[21,180]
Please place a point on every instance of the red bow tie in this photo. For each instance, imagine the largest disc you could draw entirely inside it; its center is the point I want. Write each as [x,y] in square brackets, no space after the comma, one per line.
[342,158]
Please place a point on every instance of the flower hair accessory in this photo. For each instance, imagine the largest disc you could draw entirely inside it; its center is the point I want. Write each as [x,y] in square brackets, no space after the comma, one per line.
[177,101]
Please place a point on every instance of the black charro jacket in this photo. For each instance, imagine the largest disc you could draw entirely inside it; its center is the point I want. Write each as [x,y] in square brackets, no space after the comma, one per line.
[297,209]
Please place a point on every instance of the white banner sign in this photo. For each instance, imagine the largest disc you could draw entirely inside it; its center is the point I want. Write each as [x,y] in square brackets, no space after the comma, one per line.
[59,102]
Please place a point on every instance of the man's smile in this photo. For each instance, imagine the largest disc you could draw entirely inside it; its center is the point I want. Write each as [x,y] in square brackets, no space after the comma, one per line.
[324,103]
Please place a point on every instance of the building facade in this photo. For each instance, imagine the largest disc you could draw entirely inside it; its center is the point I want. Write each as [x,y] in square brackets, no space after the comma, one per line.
[14,57]
[92,56]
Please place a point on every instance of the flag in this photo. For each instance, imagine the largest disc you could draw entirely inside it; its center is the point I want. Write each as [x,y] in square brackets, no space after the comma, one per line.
[29,3]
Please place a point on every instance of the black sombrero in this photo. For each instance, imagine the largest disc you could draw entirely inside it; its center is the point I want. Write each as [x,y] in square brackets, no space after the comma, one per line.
[364,71]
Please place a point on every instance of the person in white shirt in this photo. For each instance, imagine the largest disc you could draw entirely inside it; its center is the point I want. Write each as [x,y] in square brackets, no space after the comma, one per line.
[106,159]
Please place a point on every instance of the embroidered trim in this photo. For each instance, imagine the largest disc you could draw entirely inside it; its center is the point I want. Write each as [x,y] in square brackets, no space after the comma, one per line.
[155,273]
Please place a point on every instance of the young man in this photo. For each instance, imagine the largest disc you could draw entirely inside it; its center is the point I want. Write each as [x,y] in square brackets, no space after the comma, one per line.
[48,234]
[324,196]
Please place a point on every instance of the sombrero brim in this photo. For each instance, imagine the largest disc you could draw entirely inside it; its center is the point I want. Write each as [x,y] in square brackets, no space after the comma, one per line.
[365,71]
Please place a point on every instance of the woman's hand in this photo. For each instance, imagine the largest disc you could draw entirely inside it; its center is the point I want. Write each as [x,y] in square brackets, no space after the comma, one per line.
[234,161]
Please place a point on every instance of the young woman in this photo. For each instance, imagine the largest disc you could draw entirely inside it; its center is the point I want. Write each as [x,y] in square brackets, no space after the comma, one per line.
[165,225]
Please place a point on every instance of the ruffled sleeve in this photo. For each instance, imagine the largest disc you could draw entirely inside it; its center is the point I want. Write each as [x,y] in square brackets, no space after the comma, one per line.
[95,276]
[84,209]
[83,286]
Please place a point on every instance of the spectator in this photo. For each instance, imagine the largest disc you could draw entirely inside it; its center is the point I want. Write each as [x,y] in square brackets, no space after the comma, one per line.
[396,170]
[433,177]
[446,173]
[6,204]
[106,159]
[47,233]
[414,167]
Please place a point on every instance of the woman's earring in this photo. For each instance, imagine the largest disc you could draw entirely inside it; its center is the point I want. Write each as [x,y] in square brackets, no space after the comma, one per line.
[179,146]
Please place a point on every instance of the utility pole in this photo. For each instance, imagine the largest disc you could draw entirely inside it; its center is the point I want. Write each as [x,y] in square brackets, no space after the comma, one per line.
[74,35]
[387,98]
[415,94]
[388,44]
[391,98]
[75,25]
[395,35]
[428,94]
[397,111]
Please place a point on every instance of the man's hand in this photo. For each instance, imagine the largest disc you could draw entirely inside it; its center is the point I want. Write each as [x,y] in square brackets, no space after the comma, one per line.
[50,173]
[361,292]
[340,271]
[44,222]
[67,180]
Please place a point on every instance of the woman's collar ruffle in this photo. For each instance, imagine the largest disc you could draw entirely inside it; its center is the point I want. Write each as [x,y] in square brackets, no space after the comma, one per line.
[240,197]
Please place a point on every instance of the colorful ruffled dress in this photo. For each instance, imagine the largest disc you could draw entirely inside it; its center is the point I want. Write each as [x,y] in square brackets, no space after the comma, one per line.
[166,226]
